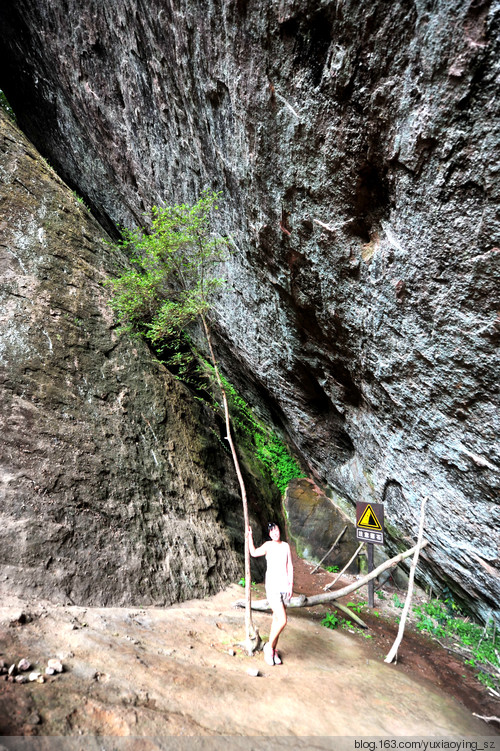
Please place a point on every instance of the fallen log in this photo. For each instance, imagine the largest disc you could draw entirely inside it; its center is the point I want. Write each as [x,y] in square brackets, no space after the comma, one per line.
[305,602]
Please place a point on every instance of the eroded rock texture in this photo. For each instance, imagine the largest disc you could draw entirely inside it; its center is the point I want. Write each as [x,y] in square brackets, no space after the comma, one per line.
[355,146]
[113,483]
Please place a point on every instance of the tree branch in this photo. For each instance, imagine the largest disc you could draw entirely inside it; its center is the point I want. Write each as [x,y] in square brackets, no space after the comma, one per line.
[394,649]
[305,602]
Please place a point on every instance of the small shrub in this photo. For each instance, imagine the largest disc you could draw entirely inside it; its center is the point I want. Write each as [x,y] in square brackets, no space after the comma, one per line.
[330,621]
[242,582]
[397,602]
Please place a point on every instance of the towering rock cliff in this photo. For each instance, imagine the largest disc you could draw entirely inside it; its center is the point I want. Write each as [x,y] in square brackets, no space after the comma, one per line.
[355,147]
[114,487]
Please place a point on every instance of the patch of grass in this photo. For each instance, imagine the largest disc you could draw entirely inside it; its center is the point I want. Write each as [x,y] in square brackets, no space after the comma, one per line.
[477,644]
[332,569]
[80,200]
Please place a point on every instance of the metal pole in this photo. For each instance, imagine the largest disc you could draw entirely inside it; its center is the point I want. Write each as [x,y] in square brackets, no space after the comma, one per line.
[371,584]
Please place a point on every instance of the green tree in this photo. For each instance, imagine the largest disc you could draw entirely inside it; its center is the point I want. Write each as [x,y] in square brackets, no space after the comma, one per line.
[171,285]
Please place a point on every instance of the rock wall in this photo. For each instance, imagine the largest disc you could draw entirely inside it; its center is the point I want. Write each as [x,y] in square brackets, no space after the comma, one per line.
[355,146]
[113,486]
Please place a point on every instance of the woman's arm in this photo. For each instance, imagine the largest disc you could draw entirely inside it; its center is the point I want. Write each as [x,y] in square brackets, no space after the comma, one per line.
[255,552]
[289,571]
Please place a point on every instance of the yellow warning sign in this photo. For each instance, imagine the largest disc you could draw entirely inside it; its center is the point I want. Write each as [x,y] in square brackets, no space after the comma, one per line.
[369,520]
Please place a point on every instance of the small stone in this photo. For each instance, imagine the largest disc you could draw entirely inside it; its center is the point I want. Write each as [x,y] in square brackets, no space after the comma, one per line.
[23,664]
[253,672]
[34,719]
[21,679]
[231,652]
[34,676]
[12,670]
[49,671]
[40,679]
[56,665]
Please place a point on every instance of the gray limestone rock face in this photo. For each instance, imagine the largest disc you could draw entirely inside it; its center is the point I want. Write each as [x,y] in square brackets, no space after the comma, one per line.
[357,149]
[113,485]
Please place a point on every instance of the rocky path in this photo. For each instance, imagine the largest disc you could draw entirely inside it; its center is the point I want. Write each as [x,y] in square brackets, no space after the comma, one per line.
[178,671]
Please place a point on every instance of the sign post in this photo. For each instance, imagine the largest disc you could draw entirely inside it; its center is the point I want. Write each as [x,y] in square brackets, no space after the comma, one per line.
[370,529]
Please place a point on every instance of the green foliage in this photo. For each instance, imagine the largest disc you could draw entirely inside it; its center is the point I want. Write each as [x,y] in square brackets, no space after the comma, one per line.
[173,276]
[397,602]
[270,451]
[274,454]
[332,569]
[442,619]
[6,106]
[330,621]
[80,200]
[171,284]
[356,606]
[333,621]
[486,680]
[380,594]
[242,582]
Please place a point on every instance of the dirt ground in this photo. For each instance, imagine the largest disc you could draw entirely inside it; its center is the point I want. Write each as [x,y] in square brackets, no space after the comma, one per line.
[419,655]
[179,671]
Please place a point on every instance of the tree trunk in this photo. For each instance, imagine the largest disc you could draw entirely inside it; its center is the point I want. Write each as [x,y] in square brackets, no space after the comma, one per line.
[252,641]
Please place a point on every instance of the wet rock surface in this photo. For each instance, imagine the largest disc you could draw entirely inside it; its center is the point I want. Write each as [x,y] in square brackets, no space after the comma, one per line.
[355,148]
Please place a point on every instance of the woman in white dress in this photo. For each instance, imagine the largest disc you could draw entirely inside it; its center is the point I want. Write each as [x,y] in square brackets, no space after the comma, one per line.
[279,585]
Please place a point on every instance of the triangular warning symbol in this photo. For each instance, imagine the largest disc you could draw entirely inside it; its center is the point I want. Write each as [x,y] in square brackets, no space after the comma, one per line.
[369,520]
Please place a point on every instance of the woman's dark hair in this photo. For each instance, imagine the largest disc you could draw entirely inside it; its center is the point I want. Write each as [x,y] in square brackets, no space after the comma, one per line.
[271,526]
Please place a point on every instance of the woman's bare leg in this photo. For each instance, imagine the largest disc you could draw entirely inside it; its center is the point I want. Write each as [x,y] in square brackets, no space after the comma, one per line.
[278,624]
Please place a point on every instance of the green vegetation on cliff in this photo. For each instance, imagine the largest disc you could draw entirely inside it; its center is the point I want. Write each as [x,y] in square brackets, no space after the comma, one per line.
[171,283]
[270,451]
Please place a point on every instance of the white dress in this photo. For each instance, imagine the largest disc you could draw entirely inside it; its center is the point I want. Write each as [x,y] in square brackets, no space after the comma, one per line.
[277,580]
